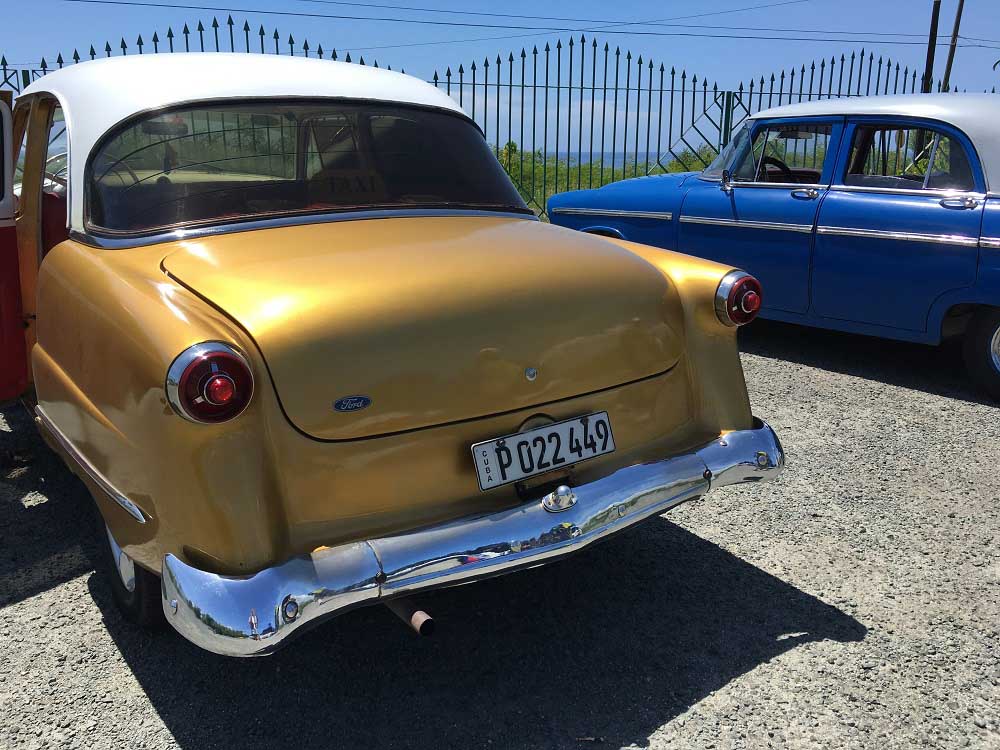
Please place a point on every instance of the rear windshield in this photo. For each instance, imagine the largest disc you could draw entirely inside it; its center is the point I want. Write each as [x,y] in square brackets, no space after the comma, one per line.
[211,163]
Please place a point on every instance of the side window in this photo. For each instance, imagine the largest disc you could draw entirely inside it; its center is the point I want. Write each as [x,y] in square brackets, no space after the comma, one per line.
[912,158]
[19,165]
[54,181]
[787,153]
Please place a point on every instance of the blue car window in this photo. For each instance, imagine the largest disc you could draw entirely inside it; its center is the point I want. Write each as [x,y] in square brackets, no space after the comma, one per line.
[914,158]
[786,153]
[714,170]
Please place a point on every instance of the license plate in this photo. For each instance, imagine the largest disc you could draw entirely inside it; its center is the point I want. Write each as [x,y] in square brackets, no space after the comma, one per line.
[514,457]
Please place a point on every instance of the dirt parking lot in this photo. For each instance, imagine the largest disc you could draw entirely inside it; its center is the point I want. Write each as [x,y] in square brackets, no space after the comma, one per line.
[855,603]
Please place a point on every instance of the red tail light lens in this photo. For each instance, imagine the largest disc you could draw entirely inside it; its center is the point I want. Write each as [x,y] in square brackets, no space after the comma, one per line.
[738,298]
[209,382]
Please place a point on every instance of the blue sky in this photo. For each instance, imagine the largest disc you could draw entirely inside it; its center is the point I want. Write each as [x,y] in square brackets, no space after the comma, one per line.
[46,27]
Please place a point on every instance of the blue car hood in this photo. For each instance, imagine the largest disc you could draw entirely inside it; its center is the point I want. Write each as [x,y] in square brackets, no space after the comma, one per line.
[624,194]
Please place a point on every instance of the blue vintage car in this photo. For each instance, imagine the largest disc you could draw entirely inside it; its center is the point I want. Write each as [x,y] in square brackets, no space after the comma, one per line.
[874,215]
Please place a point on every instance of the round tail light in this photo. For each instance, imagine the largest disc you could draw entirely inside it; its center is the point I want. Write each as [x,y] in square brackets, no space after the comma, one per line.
[209,382]
[738,298]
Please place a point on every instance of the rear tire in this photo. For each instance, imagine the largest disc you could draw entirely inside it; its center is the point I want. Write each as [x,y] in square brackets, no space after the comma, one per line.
[982,352]
[135,590]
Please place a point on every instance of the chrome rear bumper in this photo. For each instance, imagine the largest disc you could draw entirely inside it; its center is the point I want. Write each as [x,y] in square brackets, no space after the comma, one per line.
[255,615]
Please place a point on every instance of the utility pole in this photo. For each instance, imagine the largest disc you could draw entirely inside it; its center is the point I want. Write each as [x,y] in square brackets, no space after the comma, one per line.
[946,81]
[925,84]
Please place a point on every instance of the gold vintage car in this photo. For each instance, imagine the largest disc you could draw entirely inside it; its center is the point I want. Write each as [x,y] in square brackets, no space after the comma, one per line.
[298,333]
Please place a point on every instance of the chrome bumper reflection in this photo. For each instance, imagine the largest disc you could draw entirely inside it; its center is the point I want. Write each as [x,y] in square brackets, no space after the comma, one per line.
[255,615]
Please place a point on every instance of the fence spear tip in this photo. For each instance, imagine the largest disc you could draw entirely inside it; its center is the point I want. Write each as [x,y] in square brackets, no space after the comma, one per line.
[230,21]
[510,59]
[523,53]
[185,30]
[215,22]
[461,70]
[276,37]
[499,61]
[246,25]
[76,56]
[547,47]
[156,39]
[201,26]
[3,61]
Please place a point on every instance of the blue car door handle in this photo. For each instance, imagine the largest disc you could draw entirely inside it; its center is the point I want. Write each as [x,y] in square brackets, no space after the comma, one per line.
[964,202]
[805,193]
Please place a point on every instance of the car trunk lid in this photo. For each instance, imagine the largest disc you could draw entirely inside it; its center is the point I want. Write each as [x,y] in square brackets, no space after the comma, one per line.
[371,327]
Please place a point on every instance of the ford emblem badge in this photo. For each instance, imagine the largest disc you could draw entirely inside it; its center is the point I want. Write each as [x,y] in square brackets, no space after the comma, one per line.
[351,403]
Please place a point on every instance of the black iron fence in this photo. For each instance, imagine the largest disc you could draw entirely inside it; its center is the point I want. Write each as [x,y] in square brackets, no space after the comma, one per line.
[571,115]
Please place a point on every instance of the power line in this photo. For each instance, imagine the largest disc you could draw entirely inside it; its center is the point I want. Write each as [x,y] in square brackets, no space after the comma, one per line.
[621,22]
[470,24]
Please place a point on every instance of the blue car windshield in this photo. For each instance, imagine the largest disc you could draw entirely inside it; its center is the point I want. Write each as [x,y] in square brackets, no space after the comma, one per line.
[714,170]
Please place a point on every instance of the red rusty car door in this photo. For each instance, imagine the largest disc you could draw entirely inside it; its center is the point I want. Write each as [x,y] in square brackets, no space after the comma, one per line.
[13,358]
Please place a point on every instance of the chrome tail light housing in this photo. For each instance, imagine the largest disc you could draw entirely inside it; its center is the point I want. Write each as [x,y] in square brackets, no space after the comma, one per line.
[210,382]
[738,298]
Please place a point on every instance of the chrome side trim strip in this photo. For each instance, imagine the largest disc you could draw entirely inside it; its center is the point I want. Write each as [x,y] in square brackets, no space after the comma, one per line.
[99,479]
[882,234]
[256,614]
[665,215]
[990,242]
[116,243]
[779,185]
[929,193]
[747,224]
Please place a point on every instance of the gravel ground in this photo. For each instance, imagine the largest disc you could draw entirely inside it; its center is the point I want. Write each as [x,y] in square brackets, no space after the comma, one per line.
[853,603]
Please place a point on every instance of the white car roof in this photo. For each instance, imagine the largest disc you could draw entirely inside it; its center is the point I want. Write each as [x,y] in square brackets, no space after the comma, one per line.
[976,115]
[97,95]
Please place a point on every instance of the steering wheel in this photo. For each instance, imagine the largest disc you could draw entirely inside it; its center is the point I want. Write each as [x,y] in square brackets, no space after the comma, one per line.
[774,161]
[56,176]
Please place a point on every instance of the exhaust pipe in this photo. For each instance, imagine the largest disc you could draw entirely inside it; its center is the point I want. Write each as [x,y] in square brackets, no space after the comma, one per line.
[409,612]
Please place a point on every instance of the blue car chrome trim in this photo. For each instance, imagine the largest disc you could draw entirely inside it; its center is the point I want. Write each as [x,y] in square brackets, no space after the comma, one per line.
[665,215]
[881,234]
[249,616]
[926,192]
[990,242]
[115,243]
[746,224]
[43,420]
[777,185]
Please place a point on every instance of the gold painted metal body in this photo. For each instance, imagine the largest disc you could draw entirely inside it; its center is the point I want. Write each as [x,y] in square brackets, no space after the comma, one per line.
[434,318]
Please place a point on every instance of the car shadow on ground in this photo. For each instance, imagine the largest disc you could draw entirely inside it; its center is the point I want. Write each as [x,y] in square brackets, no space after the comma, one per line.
[938,370]
[42,508]
[606,646]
